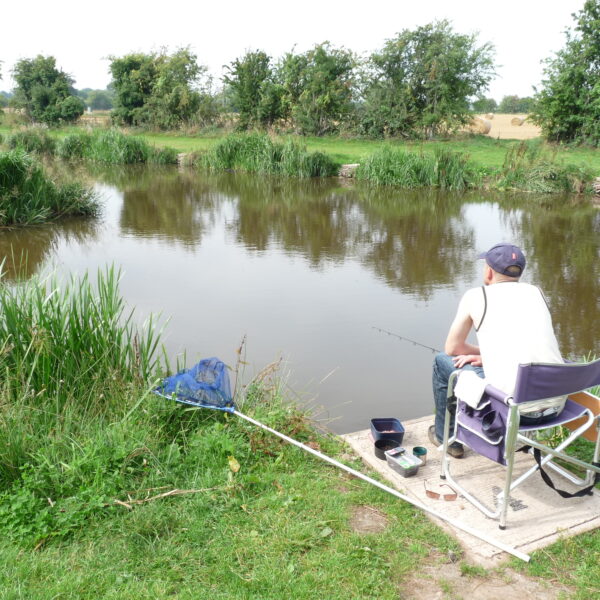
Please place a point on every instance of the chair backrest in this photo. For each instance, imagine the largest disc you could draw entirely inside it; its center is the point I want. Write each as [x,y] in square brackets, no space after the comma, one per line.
[537,381]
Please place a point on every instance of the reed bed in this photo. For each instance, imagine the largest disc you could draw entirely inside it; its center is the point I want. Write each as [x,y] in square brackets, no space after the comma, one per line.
[70,355]
[530,167]
[75,332]
[113,147]
[28,196]
[32,139]
[102,146]
[443,169]
[258,153]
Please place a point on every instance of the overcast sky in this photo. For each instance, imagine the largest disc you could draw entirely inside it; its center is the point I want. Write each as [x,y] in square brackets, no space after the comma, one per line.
[81,35]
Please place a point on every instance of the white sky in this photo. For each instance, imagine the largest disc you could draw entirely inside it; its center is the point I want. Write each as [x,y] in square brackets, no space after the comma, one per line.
[80,35]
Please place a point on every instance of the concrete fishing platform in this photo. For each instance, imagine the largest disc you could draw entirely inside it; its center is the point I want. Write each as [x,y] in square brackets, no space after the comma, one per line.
[537,516]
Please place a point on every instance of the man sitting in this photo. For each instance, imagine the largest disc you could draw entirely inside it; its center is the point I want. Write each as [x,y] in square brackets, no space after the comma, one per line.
[513,326]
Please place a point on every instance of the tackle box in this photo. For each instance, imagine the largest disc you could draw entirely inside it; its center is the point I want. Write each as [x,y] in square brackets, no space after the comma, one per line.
[402,462]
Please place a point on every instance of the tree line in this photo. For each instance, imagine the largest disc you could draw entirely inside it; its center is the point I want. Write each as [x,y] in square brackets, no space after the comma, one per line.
[422,83]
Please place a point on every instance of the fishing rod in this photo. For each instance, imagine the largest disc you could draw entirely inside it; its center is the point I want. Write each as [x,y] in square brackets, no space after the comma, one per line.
[406,339]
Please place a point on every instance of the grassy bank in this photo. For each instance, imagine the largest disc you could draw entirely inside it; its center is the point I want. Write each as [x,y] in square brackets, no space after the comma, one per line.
[470,161]
[28,195]
[87,458]
[107,146]
[109,491]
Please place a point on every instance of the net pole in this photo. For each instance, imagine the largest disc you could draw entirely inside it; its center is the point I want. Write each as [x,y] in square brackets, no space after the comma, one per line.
[477,534]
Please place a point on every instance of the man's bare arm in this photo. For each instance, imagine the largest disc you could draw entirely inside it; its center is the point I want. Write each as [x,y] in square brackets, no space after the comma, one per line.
[456,342]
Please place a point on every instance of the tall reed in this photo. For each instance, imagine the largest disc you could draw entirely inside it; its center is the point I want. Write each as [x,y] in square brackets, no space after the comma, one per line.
[29,196]
[103,146]
[64,347]
[74,368]
[529,167]
[32,139]
[113,147]
[258,153]
[73,332]
[443,169]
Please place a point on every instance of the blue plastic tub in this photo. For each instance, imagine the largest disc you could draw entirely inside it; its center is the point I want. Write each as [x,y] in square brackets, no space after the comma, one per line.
[387,429]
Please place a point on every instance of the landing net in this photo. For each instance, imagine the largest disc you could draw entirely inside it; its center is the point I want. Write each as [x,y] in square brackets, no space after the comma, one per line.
[206,384]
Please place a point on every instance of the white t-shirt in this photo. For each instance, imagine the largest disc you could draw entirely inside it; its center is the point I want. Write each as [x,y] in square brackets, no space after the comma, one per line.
[513,326]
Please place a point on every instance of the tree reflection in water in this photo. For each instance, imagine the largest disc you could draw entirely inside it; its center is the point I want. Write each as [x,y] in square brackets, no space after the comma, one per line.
[562,242]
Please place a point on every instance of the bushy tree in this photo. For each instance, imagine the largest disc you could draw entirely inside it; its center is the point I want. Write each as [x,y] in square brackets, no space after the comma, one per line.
[568,106]
[514,104]
[485,105]
[175,96]
[420,83]
[156,90]
[133,78]
[318,88]
[252,90]
[45,92]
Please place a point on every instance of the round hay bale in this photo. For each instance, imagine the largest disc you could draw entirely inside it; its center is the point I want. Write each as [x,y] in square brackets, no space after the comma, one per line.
[479,125]
[517,121]
[489,116]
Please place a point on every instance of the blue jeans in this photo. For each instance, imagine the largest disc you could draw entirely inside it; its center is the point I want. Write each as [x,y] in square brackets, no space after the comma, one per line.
[443,367]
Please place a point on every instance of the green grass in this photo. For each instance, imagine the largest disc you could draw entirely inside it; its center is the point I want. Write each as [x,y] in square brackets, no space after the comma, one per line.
[531,167]
[572,562]
[28,195]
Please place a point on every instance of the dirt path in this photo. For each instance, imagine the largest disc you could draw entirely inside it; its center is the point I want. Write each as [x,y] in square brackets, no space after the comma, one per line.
[452,578]
[448,581]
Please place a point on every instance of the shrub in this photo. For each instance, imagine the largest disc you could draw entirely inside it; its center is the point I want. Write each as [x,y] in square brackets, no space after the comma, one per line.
[74,145]
[163,156]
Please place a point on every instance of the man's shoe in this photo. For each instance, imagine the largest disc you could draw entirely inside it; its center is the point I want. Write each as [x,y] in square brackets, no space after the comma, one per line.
[455,449]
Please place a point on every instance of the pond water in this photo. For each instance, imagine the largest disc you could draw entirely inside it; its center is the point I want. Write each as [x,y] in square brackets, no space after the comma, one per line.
[307,270]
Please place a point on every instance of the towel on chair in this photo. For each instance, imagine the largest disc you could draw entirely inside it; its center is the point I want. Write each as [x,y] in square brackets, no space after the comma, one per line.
[470,388]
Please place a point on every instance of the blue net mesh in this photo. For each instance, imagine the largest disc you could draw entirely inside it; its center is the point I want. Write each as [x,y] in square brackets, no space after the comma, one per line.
[205,384]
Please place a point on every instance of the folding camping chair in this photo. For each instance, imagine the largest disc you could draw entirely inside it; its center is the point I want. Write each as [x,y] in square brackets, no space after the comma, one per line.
[495,428]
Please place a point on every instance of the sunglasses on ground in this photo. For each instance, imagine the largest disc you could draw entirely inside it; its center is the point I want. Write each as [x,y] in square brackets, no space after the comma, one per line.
[437,495]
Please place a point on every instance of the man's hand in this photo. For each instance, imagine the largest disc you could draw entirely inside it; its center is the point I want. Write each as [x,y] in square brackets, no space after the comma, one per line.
[465,359]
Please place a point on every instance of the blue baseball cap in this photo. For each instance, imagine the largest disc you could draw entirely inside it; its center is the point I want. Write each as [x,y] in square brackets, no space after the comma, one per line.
[502,256]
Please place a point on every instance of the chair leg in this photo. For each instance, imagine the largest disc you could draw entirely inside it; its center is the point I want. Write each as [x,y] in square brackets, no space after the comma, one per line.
[444,461]
[446,440]
[512,431]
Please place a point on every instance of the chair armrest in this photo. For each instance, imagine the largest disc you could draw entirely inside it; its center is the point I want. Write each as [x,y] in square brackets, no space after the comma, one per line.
[497,394]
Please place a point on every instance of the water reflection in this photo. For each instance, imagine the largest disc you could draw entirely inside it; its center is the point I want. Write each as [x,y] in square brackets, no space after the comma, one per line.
[25,250]
[563,245]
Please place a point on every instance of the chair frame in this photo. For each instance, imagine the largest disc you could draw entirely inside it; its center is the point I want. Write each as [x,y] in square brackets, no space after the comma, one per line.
[514,438]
